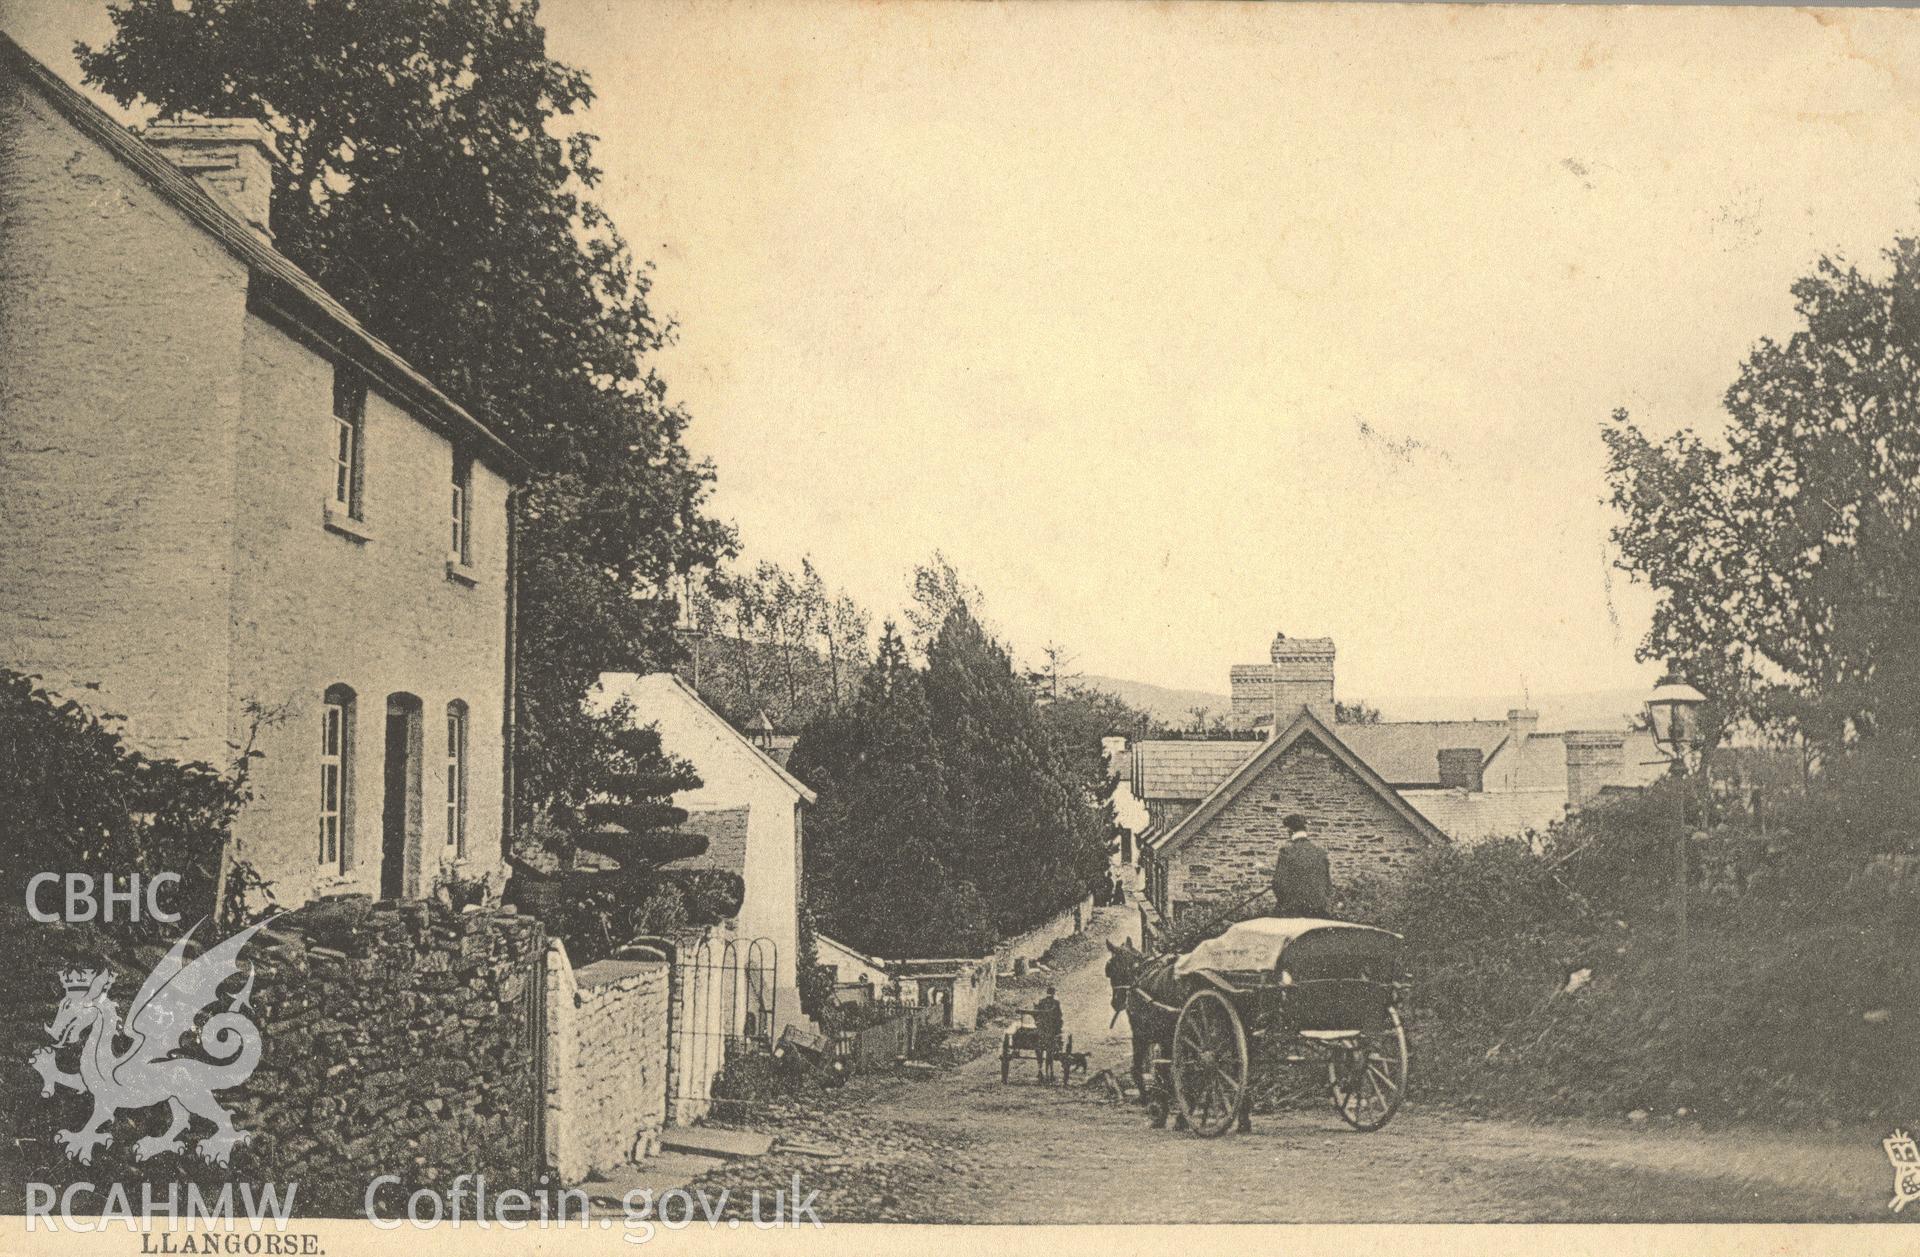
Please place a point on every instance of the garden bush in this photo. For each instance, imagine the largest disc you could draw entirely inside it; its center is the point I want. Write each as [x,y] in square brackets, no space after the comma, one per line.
[1548,977]
[79,800]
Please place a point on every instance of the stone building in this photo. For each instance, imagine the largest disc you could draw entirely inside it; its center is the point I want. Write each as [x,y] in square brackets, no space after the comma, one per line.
[1465,780]
[236,519]
[1222,851]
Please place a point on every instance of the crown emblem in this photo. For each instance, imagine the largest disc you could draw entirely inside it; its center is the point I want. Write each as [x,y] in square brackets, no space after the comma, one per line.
[78,979]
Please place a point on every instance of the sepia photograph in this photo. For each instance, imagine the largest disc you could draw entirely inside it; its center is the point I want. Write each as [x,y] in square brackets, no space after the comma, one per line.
[722,621]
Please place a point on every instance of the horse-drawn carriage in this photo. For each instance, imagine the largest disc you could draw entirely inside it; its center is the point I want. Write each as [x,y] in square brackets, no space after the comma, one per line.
[1275,1009]
[1038,1038]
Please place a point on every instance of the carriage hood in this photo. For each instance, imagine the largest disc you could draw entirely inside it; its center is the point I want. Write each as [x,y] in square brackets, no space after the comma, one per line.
[1257,945]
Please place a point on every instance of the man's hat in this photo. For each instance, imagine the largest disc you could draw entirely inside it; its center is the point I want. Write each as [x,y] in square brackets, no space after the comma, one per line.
[1294,822]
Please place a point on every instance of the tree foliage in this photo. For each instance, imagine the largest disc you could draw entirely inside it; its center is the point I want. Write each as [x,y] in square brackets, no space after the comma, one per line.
[433,183]
[1028,832]
[937,589]
[1784,550]
[776,641]
[1358,712]
[880,843]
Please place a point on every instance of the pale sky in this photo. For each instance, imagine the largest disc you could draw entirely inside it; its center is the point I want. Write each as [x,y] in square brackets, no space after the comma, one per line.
[1174,326]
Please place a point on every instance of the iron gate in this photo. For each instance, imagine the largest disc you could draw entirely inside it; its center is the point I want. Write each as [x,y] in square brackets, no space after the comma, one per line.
[725,1006]
[533,1043]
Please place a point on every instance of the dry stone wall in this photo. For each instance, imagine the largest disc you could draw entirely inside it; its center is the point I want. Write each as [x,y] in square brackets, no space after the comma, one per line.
[394,1040]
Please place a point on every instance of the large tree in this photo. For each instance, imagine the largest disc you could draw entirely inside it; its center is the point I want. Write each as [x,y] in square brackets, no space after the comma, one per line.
[1028,833]
[880,872]
[434,182]
[1783,546]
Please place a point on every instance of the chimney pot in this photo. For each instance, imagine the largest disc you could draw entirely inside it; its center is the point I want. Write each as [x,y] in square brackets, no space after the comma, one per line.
[231,158]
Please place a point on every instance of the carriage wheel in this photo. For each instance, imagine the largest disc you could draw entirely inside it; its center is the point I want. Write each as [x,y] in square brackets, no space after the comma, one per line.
[1370,1075]
[1210,1063]
[1006,1056]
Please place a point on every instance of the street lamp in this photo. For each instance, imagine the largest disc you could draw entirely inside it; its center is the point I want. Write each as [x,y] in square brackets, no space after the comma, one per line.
[1673,713]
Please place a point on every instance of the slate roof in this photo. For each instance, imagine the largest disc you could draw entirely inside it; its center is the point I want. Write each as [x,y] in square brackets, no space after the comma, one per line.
[1305,725]
[1472,818]
[274,277]
[1185,770]
[1404,752]
[1407,752]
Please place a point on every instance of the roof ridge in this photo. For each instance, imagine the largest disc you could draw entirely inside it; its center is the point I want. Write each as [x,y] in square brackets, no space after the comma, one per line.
[1306,722]
[261,259]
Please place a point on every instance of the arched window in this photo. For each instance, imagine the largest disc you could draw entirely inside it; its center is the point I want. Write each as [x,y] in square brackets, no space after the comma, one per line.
[457,777]
[336,778]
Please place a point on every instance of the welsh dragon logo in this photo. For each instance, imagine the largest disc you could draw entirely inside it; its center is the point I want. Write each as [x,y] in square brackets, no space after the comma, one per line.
[154,1068]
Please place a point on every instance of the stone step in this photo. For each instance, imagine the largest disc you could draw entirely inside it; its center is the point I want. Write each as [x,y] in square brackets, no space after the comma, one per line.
[662,1173]
[712,1141]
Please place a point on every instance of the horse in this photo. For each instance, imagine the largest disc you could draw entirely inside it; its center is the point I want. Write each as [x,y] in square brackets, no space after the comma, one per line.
[1151,994]
[1145,988]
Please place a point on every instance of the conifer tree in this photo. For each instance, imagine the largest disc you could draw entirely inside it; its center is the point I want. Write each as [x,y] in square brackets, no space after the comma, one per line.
[1027,832]
[878,872]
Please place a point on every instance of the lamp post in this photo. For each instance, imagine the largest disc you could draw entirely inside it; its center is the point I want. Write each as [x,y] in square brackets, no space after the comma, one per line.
[1673,713]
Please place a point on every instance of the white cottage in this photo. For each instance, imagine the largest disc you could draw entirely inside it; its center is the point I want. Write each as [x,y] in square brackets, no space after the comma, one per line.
[749,806]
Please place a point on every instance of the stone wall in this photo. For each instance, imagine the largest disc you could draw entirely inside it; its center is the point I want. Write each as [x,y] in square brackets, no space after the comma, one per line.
[397,1042]
[606,1063]
[1033,944]
[313,607]
[1232,857]
[395,1039]
[117,316]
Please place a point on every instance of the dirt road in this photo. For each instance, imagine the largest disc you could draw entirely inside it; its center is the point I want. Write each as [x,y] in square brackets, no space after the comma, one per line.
[961,1146]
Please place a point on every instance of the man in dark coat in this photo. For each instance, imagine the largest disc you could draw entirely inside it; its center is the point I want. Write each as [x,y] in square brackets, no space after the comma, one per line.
[1049,1020]
[1302,881]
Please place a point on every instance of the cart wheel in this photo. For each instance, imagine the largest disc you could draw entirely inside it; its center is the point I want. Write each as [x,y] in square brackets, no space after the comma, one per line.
[1370,1075]
[1006,1057]
[1210,1063]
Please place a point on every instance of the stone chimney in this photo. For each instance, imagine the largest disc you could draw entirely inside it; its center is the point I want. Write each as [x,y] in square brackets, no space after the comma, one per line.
[1521,723]
[1460,768]
[1595,758]
[1302,677]
[232,158]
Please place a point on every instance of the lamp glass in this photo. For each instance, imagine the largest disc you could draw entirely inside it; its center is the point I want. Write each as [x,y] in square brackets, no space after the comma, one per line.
[1673,709]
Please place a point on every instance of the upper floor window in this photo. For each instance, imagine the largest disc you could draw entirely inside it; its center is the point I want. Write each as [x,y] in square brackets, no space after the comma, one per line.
[349,433]
[336,765]
[460,550]
[457,777]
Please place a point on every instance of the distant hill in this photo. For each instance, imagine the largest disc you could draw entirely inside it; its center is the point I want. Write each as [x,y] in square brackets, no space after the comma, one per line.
[1589,709]
[1168,706]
